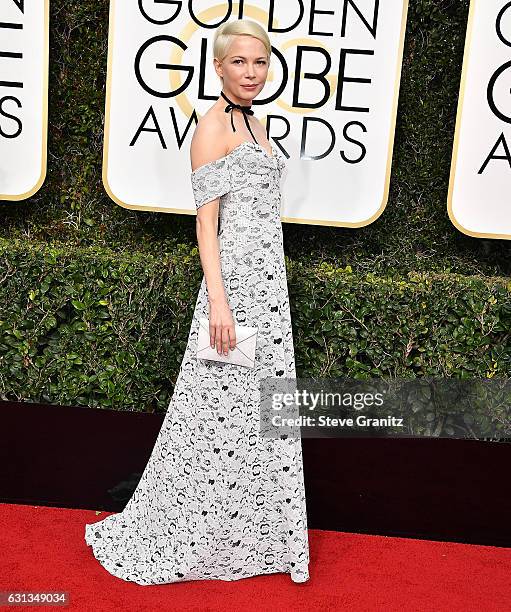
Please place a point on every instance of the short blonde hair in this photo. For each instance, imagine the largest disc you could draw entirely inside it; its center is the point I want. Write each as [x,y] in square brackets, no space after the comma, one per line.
[225,34]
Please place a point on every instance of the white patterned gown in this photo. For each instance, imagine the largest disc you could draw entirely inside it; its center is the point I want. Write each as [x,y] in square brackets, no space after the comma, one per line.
[217,500]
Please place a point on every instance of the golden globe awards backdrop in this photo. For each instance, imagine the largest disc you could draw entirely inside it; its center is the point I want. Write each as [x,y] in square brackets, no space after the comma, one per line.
[480,184]
[24,29]
[329,103]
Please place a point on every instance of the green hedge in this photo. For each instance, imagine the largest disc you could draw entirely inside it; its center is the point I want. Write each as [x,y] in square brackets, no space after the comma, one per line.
[97,300]
[109,329]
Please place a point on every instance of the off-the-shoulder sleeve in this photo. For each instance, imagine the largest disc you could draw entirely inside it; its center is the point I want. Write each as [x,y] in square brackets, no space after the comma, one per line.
[210,181]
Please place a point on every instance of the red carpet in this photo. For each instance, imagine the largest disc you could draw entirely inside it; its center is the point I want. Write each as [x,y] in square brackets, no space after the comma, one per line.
[43,549]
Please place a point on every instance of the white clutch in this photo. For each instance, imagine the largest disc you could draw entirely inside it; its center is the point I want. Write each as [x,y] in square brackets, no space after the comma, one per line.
[243,353]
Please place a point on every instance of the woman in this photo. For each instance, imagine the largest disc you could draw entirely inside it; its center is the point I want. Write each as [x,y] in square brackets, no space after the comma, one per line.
[217,500]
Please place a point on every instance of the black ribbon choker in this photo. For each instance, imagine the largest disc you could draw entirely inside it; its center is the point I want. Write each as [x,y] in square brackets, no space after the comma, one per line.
[246,110]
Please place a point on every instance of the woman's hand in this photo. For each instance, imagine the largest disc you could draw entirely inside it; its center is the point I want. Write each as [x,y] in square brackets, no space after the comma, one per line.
[221,327]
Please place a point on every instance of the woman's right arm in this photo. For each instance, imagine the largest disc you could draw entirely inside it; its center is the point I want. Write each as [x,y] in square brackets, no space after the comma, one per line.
[207,146]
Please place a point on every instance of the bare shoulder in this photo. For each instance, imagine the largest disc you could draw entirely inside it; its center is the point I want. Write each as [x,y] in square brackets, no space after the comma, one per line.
[209,141]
